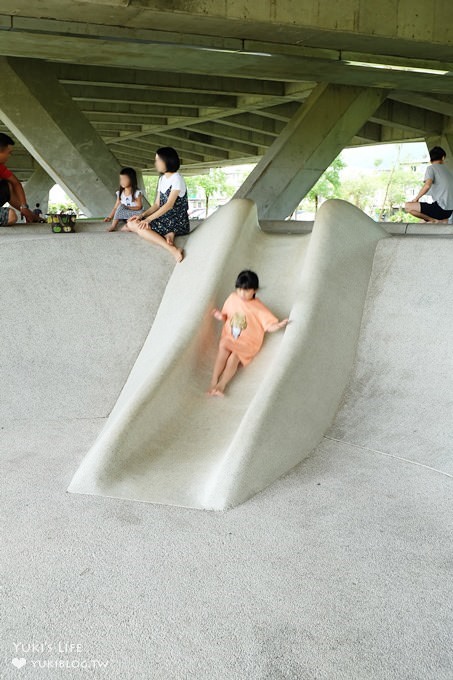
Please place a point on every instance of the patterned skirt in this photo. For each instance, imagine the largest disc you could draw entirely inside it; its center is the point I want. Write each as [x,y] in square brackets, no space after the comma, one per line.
[123,213]
[176,220]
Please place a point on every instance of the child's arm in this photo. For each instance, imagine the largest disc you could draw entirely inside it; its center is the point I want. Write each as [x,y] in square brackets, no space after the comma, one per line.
[276,326]
[222,314]
[110,217]
[217,314]
[155,206]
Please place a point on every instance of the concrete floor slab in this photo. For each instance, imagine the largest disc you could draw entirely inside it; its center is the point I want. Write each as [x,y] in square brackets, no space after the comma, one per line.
[341,570]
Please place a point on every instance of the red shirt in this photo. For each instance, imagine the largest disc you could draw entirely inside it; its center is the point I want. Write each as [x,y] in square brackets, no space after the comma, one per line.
[4,172]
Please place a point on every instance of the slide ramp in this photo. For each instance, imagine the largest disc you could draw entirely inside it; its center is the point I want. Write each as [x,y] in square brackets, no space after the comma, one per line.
[165,440]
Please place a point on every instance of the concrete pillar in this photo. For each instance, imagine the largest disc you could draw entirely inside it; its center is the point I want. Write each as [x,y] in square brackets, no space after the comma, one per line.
[313,138]
[37,189]
[141,185]
[41,114]
[445,140]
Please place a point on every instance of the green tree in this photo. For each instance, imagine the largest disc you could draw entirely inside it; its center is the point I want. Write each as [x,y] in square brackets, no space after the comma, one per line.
[212,184]
[150,182]
[402,182]
[329,184]
[67,206]
[360,191]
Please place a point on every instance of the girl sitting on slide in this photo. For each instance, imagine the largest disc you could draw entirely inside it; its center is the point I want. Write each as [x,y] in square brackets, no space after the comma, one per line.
[246,319]
[128,199]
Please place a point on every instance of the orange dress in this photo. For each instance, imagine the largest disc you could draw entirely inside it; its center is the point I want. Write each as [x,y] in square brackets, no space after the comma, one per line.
[247,321]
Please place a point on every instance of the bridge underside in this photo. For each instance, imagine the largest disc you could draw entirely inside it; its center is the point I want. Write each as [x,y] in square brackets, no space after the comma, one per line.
[220,84]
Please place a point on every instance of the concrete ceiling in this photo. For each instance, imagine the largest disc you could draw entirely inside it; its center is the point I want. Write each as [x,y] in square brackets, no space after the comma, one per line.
[220,80]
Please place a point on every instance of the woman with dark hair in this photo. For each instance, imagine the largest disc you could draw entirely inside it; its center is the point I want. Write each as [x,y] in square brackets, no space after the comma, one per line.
[168,216]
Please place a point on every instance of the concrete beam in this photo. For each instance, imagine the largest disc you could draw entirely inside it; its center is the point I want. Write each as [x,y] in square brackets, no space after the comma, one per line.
[408,117]
[393,135]
[438,104]
[132,79]
[399,28]
[282,112]
[323,126]
[193,149]
[254,122]
[27,33]
[40,113]
[37,189]
[198,168]
[207,114]
[117,95]
[138,111]
[237,134]
[370,133]
[144,151]
[216,141]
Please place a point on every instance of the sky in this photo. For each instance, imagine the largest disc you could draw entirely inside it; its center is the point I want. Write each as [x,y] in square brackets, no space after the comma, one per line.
[363,157]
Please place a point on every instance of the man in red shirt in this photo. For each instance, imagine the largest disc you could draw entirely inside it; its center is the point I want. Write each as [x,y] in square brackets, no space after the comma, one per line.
[11,190]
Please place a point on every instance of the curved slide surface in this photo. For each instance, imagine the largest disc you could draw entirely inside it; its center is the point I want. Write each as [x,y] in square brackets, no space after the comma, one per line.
[165,440]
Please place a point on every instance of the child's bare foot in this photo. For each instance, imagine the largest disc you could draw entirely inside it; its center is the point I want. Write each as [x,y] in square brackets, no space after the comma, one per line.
[170,238]
[216,392]
[178,253]
[125,228]
[112,227]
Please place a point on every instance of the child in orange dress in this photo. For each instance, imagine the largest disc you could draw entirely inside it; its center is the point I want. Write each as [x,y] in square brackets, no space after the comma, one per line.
[246,320]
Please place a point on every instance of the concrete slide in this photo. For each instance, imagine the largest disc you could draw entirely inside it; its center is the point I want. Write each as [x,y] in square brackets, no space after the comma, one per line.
[165,440]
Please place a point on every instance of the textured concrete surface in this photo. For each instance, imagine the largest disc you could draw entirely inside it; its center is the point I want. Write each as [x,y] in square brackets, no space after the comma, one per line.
[268,226]
[339,571]
[82,226]
[401,398]
[75,310]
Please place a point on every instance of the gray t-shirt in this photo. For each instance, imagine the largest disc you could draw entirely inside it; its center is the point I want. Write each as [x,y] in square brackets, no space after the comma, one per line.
[441,189]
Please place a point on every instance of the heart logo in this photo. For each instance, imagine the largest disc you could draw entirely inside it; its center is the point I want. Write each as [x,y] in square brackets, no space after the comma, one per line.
[19,662]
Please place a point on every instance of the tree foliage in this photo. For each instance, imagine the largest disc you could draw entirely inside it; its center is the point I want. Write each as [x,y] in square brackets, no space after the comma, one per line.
[329,184]
[212,184]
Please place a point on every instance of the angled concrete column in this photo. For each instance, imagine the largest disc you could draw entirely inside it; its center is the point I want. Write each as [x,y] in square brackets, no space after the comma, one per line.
[147,200]
[41,114]
[445,140]
[37,189]
[313,138]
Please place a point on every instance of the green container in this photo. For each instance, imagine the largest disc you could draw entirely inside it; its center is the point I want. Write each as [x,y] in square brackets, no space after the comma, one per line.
[62,223]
